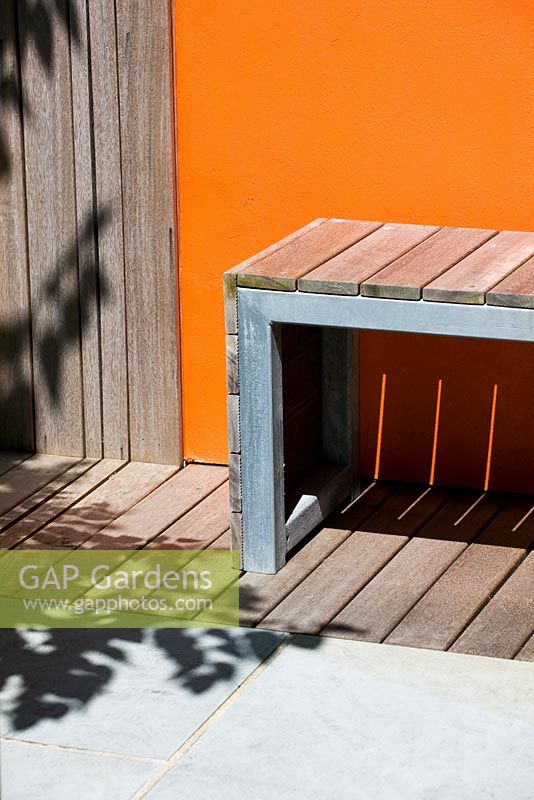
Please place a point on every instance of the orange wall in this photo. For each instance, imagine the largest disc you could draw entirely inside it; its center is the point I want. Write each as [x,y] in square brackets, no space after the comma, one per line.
[402,110]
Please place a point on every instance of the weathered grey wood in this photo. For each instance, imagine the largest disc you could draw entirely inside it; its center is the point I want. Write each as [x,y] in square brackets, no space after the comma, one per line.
[234,479]
[49,161]
[340,400]
[10,460]
[507,621]
[96,510]
[201,525]
[517,290]
[236,537]
[148,185]
[72,492]
[234,442]
[232,364]
[16,380]
[160,509]
[230,276]
[83,128]
[30,476]
[41,496]
[473,276]
[282,269]
[108,181]
[316,497]
[405,277]
[344,273]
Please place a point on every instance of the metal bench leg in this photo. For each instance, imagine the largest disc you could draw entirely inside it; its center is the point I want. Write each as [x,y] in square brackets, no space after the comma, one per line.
[262,458]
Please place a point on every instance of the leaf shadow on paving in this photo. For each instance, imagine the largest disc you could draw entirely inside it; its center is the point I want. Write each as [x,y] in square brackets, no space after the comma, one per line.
[63,671]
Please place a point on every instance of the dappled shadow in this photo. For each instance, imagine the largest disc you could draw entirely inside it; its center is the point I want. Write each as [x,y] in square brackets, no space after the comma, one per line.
[68,668]
[25,24]
[69,294]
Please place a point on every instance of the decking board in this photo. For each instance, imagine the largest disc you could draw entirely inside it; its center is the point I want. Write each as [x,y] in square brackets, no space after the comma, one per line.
[507,622]
[385,601]
[361,576]
[99,508]
[57,504]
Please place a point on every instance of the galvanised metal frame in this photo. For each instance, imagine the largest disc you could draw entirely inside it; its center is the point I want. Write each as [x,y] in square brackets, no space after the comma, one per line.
[259,314]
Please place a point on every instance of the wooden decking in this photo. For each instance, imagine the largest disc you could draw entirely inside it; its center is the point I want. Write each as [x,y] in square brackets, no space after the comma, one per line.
[417,566]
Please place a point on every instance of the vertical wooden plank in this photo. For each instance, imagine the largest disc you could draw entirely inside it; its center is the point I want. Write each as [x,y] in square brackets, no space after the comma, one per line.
[340,398]
[49,161]
[143,40]
[108,179]
[85,222]
[16,381]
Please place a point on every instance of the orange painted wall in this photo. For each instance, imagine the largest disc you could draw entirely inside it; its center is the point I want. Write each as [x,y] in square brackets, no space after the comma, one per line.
[402,110]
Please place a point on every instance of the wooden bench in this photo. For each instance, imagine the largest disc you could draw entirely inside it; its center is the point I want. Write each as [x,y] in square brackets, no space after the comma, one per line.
[296,306]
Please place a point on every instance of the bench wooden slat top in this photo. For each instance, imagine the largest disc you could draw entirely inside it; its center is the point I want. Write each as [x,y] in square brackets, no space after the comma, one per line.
[283,268]
[345,273]
[517,290]
[405,278]
[408,262]
[470,279]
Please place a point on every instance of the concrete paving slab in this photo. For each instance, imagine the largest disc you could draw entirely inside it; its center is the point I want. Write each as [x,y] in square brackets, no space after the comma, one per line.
[357,720]
[140,693]
[34,771]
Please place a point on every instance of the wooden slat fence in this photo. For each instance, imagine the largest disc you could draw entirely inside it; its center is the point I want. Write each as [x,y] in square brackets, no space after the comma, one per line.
[88,333]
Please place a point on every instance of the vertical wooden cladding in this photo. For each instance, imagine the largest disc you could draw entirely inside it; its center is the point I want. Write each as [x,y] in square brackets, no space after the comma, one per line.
[94,145]
[16,384]
[143,43]
[108,183]
[52,235]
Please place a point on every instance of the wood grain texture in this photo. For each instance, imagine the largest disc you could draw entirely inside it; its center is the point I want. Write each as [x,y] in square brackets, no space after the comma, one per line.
[344,274]
[49,160]
[232,364]
[30,476]
[57,504]
[234,439]
[16,380]
[230,276]
[10,460]
[527,652]
[452,602]
[147,126]
[405,278]
[100,507]
[515,291]
[282,269]
[83,128]
[473,276]
[334,583]
[108,183]
[159,509]
[46,492]
[200,526]
[383,603]
[234,479]
[507,622]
